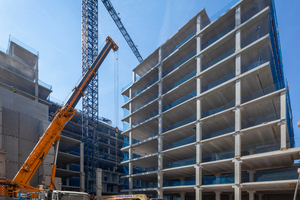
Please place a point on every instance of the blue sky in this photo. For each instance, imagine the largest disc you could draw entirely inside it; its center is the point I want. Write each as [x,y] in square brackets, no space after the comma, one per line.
[54,29]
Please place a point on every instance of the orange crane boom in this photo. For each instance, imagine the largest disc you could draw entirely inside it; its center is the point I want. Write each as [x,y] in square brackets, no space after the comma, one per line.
[52,134]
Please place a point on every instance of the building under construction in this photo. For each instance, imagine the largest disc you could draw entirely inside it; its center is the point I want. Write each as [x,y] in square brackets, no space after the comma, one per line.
[209,113]
[25,113]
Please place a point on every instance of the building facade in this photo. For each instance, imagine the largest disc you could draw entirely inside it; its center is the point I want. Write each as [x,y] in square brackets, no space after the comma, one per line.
[23,111]
[208,112]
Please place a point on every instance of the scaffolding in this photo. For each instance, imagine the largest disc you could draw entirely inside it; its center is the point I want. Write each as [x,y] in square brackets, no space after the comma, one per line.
[90,98]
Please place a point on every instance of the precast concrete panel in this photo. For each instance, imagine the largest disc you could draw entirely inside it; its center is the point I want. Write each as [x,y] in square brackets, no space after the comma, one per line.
[16,66]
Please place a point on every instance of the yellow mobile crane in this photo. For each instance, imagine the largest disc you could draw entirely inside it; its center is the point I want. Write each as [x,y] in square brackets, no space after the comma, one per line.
[52,134]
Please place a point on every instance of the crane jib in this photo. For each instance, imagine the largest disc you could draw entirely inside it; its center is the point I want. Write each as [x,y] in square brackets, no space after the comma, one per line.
[89,75]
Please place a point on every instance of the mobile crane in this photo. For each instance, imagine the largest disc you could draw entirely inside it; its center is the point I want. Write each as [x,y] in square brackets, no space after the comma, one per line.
[52,134]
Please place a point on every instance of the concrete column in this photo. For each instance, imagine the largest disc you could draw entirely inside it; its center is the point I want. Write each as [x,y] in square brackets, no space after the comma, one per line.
[160,155]
[199,23]
[182,195]
[230,196]
[133,76]
[1,132]
[182,181]
[238,15]
[251,194]
[218,195]
[68,179]
[36,79]
[237,178]
[238,40]
[198,43]
[129,108]
[99,182]
[130,166]
[159,55]
[198,142]
[260,196]
[198,195]
[218,178]
[238,65]
[160,182]
[283,126]
[199,64]
[82,174]
[251,175]
[198,177]
[160,125]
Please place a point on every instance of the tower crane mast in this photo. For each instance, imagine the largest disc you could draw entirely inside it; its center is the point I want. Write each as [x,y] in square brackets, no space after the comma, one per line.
[108,5]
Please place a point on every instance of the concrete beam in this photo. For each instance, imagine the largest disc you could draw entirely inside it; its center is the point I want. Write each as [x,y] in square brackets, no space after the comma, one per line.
[283,126]
[82,174]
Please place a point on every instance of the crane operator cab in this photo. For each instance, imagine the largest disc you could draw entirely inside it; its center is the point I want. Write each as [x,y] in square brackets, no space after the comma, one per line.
[65,195]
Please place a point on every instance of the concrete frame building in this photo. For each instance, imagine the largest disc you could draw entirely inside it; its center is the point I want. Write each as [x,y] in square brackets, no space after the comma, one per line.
[208,112]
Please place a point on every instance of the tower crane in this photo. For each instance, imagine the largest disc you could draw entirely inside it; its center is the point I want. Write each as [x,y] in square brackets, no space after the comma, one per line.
[111,10]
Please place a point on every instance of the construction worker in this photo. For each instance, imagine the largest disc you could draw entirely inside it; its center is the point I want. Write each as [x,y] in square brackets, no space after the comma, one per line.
[14,90]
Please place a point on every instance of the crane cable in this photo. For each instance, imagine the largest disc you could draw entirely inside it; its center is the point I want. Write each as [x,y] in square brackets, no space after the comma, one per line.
[116,99]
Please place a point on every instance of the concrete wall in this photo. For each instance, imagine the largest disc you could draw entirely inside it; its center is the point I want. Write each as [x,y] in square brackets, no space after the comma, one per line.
[21,120]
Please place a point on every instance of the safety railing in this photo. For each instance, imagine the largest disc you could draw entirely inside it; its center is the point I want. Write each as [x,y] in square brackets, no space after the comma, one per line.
[218,132]
[2,49]
[166,72]
[45,85]
[267,117]
[135,123]
[126,86]
[146,102]
[181,123]
[218,36]
[185,141]
[259,31]
[216,110]
[218,59]
[218,82]
[260,5]
[276,65]
[145,87]
[187,77]
[125,141]
[147,70]
[262,147]
[261,58]
[18,42]
[189,181]
[134,141]
[221,179]
[289,173]
[125,126]
[126,156]
[126,112]
[144,185]
[259,93]
[179,101]
[179,163]
[181,43]
[126,98]
[289,119]
[218,156]
[137,170]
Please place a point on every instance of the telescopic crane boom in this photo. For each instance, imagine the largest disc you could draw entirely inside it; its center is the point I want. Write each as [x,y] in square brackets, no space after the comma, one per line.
[52,134]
